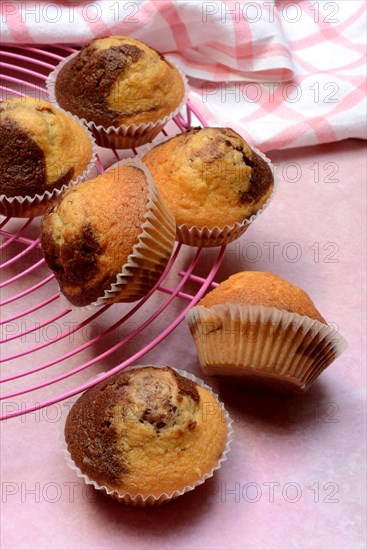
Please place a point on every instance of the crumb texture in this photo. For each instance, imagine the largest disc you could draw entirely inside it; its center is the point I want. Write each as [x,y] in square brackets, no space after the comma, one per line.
[40,147]
[261,288]
[210,177]
[146,431]
[118,80]
[90,231]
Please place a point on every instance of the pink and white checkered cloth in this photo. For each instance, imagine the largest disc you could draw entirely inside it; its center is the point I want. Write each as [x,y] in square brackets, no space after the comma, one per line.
[283,74]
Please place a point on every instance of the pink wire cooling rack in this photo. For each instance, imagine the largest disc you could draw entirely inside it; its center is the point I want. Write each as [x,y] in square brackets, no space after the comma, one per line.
[45,345]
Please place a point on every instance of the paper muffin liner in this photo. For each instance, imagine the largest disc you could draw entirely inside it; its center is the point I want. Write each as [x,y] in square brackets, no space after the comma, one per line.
[152,500]
[207,237]
[263,346]
[30,206]
[149,256]
[123,136]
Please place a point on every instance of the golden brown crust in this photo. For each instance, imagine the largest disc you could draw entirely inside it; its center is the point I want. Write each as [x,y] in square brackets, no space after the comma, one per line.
[118,80]
[146,431]
[266,289]
[41,147]
[88,234]
[210,177]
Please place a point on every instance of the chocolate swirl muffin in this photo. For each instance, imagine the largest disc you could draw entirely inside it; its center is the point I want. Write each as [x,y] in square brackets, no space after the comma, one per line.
[210,177]
[41,148]
[92,230]
[146,431]
[118,80]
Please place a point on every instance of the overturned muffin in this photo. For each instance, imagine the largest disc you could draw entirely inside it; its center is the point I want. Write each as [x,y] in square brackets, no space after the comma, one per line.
[210,177]
[263,331]
[119,80]
[41,148]
[146,431]
[96,235]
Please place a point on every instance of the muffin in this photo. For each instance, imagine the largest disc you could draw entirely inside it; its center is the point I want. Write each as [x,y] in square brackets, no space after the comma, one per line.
[41,150]
[118,81]
[108,239]
[213,182]
[147,435]
[263,331]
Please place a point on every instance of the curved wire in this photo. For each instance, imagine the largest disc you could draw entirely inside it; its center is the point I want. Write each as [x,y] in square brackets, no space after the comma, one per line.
[19,53]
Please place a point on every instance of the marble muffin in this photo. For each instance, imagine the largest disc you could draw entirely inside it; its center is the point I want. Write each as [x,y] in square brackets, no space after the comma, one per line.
[91,231]
[119,80]
[210,177]
[41,148]
[146,431]
[262,331]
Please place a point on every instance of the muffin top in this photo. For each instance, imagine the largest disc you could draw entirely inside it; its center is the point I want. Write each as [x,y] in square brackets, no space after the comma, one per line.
[40,147]
[118,80]
[89,232]
[210,177]
[146,431]
[258,288]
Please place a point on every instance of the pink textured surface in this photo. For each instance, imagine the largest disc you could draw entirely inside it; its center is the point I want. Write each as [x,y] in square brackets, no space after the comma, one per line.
[295,477]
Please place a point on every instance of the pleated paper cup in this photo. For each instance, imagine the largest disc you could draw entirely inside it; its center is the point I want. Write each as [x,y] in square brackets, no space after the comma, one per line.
[139,499]
[122,136]
[36,205]
[208,237]
[149,256]
[263,346]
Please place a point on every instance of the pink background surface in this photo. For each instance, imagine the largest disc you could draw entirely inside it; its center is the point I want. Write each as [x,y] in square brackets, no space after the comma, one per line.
[295,477]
